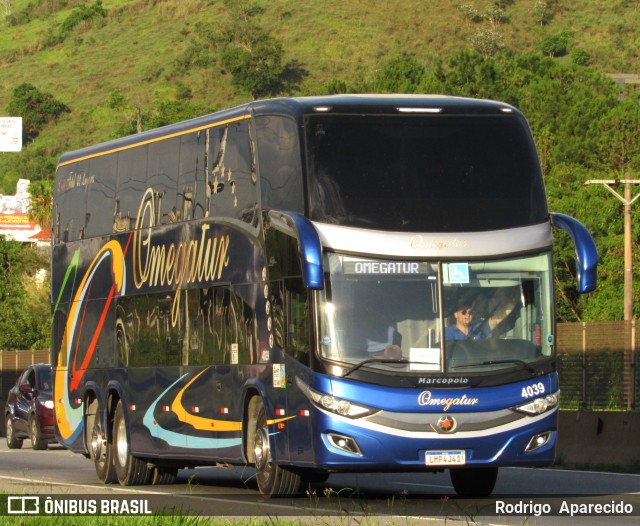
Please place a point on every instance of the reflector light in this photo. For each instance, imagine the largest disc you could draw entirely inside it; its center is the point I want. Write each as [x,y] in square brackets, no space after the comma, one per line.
[419,110]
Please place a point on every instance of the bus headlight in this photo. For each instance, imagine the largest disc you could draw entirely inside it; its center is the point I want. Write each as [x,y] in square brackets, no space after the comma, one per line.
[540,405]
[336,405]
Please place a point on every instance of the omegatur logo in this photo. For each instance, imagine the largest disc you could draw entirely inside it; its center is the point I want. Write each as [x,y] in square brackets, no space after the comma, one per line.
[426,399]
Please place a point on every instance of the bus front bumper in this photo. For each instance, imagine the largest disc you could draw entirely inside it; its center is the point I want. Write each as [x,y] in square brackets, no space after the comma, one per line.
[350,445]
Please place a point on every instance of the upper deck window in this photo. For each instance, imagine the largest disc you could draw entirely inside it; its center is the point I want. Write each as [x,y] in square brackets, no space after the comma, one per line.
[423,173]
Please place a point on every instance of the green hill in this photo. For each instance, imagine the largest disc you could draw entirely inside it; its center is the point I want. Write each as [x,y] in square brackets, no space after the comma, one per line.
[135,47]
[103,69]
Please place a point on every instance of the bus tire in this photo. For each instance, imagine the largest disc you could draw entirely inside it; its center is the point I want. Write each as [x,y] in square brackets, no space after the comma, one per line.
[99,445]
[313,476]
[130,470]
[273,480]
[473,482]
[164,475]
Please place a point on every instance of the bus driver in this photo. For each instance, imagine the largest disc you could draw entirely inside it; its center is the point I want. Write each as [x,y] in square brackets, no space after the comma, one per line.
[464,327]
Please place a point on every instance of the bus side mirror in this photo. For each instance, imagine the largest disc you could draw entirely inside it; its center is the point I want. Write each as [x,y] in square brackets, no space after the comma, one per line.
[309,243]
[586,251]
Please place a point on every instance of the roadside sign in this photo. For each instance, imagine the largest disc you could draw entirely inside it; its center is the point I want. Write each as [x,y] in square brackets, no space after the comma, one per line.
[10,134]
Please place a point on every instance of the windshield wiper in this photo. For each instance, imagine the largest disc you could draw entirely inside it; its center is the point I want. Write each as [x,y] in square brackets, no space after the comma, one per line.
[374,360]
[522,364]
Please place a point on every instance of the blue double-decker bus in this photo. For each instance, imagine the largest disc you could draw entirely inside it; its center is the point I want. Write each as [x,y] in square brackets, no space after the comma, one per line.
[309,286]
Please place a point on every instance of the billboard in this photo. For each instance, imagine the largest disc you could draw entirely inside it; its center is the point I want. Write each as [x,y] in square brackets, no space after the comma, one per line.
[10,134]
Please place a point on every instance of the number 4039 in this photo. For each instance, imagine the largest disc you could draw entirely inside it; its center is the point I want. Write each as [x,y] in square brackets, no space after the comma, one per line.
[533,390]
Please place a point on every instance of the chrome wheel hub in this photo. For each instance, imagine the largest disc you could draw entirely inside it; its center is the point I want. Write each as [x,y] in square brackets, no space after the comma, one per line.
[263,455]
[97,443]
[122,448]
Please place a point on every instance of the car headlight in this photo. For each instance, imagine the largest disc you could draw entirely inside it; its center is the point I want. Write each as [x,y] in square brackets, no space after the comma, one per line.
[540,405]
[336,405]
[48,404]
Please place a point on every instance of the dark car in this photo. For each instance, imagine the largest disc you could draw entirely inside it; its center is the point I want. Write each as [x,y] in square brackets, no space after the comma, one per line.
[29,410]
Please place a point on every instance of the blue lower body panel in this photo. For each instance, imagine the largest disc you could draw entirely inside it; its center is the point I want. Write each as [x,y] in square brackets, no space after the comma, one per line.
[354,445]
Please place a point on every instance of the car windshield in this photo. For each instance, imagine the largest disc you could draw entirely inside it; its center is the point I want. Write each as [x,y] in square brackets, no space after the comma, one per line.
[442,317]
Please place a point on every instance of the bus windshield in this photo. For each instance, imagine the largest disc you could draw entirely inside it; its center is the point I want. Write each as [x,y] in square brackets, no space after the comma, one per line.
[442,317]
[416,173]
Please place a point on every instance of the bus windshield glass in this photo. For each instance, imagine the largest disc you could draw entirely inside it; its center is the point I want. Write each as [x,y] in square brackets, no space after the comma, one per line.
[418,172]
[439,317]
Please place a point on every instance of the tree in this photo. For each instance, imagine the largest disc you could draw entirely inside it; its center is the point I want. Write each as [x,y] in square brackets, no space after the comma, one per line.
[495,15]
[401,74]
[471,14]
[556,45]
[36,163]
[24,303]
[254,60]
[618,147]
[40,203]
[82,13]
[250,54]
[487,42]
[579,57]
[542,12]
[36,109]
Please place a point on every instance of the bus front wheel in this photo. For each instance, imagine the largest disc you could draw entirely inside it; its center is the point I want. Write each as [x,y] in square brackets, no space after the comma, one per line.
[273,480]
[473,482]
[130,470]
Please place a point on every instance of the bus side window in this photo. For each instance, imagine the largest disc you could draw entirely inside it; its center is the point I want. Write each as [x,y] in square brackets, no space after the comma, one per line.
[192,162]
[290,300]
[164,162]
[101,195]
[279,163]
[72,196]
[132,182]
[231,179]
[291,318]
[297,319]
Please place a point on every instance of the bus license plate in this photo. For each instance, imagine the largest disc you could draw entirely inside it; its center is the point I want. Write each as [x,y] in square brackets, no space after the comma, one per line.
[445,458]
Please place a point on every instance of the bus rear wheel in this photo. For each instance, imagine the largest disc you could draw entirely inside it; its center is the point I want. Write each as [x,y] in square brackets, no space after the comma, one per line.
[130,470]
[474,482]
[273,480]
[99,446]
[164,475]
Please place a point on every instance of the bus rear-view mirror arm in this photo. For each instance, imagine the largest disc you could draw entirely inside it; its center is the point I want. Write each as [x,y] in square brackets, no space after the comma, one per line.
[586,251]
[309,244]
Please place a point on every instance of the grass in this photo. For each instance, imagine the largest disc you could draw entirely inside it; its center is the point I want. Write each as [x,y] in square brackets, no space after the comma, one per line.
[165,520]
[346,512]
[144,520]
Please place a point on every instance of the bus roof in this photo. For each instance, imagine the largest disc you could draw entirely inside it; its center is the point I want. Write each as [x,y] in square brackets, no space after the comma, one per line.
[298,106]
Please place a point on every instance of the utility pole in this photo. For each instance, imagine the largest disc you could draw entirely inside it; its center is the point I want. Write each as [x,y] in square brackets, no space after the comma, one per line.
[627,201]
